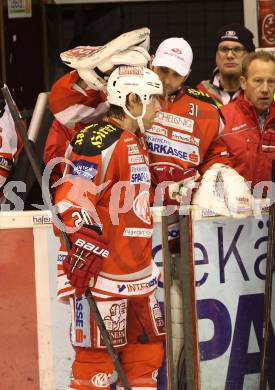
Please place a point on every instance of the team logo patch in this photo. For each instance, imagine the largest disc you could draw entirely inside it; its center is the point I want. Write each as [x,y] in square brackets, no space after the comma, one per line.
[176,50]
[138,286]
[101,380]
[81,324]
[133,149]
[98,136]
[175,121]
[81,135]
[61,257]
[141,207]
[163,147]
[81,51]
[140,174]
[137,232]
[87,170]
[131,70]
[158,130]
[230,33]
[182,137]
[240,127]
[136,159]
[114,315]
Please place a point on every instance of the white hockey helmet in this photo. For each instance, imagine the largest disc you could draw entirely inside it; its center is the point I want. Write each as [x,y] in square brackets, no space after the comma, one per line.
[133,79]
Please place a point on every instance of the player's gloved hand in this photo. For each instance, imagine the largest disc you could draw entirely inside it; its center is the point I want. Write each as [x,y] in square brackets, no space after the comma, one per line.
[94,63]
[85,258]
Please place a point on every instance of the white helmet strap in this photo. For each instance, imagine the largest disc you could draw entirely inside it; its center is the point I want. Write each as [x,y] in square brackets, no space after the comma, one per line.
[137,118]
[141,125]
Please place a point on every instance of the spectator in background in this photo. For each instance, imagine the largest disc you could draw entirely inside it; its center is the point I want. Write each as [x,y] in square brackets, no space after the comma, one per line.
[249,132]
[233,43]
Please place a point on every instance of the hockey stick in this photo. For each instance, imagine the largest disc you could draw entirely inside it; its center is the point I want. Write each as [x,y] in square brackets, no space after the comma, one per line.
[35,166]
[268,291]
[167,274]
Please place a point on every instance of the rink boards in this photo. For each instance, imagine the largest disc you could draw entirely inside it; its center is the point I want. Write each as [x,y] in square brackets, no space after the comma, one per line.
[229,262]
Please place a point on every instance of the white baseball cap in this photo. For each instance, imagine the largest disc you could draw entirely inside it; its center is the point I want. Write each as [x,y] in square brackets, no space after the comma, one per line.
[174,53]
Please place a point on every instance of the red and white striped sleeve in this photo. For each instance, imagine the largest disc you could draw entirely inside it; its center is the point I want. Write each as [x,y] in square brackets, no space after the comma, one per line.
[70,104]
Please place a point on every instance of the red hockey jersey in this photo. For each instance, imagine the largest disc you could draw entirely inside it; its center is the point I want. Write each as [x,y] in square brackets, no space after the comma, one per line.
[73,109]
[71,105]
[184,136]
[107,183]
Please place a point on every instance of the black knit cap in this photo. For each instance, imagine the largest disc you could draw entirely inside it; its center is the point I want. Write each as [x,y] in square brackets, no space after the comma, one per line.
[236,33]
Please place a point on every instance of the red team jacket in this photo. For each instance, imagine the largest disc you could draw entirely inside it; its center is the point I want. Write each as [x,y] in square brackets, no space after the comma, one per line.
[251,149]
[110,171]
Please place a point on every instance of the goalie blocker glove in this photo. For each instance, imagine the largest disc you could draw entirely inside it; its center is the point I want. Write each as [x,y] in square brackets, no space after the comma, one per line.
[94,63]
[84,260]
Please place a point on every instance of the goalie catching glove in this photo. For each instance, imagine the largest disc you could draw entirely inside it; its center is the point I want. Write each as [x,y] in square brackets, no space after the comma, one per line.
[224,192]
[84,259]
[94,63]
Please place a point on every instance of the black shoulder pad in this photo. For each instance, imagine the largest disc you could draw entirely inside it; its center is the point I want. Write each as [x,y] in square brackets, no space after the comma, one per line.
[196,93]
[94,138]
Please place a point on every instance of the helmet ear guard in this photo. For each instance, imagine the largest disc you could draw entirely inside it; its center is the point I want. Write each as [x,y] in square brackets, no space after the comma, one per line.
[133,79]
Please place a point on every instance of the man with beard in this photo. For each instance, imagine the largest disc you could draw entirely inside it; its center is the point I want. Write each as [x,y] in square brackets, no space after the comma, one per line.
[233,43]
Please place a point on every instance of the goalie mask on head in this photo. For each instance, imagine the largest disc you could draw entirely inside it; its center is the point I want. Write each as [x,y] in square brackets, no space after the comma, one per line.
[92,63]
[133,79]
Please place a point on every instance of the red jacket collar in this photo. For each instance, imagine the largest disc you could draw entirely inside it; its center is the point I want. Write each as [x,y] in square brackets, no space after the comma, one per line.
[248,107]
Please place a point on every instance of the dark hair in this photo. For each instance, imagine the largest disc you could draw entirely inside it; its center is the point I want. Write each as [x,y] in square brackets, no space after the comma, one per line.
[257,55]
[117,111]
